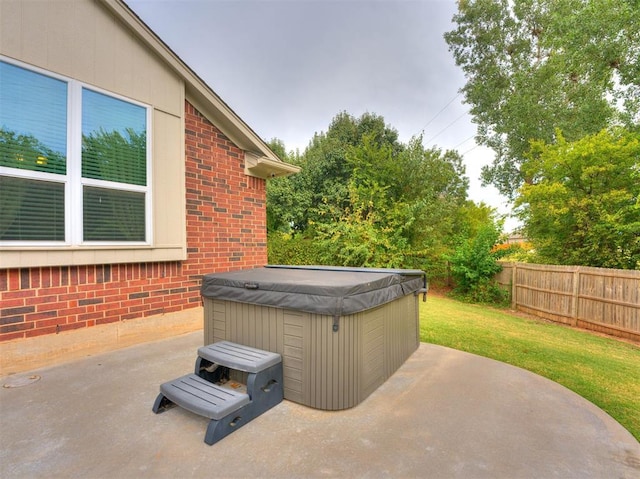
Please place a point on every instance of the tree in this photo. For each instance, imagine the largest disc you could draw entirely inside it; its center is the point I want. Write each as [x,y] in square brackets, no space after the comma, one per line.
[326,172]
[583,203]
[296,202]
[371,230]
[438,180]
[533,66]
[404,206]
[365,199]
[287,199]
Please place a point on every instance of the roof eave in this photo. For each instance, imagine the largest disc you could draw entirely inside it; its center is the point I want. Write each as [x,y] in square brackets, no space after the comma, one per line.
[264,167]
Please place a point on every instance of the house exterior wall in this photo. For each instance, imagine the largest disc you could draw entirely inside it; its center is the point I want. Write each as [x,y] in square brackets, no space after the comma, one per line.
[226,209]
[86,42]
[225,230]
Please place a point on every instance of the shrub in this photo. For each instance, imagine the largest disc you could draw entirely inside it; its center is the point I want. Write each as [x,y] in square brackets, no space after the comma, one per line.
[292,249]
[474,264]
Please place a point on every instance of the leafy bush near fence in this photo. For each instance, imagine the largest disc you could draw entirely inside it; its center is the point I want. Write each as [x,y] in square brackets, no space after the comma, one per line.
[474,265]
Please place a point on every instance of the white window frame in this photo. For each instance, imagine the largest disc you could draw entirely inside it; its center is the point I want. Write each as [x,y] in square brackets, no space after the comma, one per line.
[73,180]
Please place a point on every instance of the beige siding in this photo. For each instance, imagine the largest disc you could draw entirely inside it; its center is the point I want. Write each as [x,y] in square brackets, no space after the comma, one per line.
[83,41]
[322,368]
[168,190]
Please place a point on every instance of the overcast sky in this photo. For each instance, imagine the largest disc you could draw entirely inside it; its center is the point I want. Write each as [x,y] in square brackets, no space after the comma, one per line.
[287,67]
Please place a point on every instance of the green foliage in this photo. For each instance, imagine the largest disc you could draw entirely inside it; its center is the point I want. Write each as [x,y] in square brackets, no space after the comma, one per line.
[288,199]
[521,253]
[533,66]
[582,205]
[474,264]
[474,217]
[296,249]
[371,229]
[435,183]
[364,199]
[298,202]
[371,232]
[327,172]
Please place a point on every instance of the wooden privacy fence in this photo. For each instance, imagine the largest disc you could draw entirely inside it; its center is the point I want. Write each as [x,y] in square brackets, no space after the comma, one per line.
[605,300]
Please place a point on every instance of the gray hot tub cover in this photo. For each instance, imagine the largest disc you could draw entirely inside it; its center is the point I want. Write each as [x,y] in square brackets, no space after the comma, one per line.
[326,290]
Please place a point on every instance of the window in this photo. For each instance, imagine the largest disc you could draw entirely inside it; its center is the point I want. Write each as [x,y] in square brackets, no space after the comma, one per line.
[73,163]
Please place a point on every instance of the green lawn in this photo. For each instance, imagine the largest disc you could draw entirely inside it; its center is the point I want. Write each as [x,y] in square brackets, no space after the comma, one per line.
[602,370]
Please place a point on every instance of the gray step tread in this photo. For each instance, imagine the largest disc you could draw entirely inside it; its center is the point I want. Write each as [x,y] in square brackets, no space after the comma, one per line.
[201,397]
[239,357]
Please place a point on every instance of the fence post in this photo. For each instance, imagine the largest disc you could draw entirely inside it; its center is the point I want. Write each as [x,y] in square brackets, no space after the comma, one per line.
[574,296]
[514,289]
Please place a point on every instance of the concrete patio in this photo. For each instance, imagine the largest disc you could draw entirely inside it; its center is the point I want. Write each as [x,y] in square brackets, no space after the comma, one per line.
[443,414]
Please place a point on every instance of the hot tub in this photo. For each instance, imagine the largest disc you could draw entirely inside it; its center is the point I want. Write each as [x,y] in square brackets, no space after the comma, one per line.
[341,331]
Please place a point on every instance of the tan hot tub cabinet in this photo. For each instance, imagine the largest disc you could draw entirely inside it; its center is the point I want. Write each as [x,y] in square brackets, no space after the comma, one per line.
[341,332]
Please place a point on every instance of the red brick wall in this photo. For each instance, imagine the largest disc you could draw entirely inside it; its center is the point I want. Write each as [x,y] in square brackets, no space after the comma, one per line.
[226,229]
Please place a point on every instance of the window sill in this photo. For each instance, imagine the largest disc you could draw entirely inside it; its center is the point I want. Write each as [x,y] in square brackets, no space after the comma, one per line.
[33,257]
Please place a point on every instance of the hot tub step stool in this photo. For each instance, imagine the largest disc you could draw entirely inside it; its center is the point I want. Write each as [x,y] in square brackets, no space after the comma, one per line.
[227,409]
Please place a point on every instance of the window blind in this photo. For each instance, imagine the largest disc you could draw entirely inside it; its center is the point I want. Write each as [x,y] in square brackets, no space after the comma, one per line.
[31,210]
[113,215]
[114,145]
[33,120]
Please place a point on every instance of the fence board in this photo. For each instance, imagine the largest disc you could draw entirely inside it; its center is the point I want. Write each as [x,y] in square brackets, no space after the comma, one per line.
[606,300]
